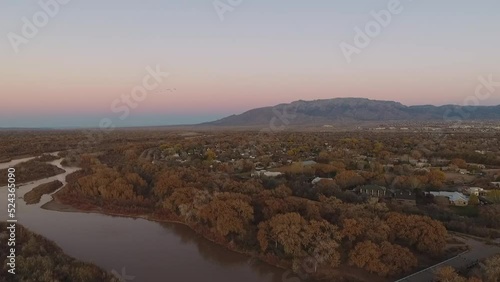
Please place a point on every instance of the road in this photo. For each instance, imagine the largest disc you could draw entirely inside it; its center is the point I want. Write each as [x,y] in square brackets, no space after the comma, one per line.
[477,251]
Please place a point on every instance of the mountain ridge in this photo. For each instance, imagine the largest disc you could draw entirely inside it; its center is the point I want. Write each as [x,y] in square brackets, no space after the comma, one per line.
[338,110]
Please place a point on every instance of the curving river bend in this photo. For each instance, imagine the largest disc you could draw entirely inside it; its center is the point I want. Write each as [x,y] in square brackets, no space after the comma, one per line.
[145,250]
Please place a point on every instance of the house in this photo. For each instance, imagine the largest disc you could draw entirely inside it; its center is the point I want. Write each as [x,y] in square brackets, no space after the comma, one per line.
[422,164]
[476,166]
[259,166]
[273,164]
[473,191]
[372,190]
[403,196]
[265,173]
[413,161]
[421,170]
[455,198]
[439,162]
[319,179]
[308,163]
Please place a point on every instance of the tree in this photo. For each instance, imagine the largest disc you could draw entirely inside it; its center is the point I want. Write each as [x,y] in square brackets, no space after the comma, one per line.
[323,157]
[436,178]
[181,196]
[352,228]
[210,155]
[494,196]
[282,191]
[317,240]
[228,213]
[422,232]
[460,163]
[397,258]
[416,154]
[490,215]
[384,259]
[264,236]
[448,274]
[289,231]
[324,243]
[492,269]
[366,255]
[167,182]
[348,179]
[473,200]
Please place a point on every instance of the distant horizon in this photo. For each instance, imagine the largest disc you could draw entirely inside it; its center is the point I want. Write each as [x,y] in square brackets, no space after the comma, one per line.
[92,121]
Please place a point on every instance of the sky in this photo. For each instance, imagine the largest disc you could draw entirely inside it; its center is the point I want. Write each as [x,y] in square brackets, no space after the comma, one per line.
[87,60]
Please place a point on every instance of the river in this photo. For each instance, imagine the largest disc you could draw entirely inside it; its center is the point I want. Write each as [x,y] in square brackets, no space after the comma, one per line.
[145,251]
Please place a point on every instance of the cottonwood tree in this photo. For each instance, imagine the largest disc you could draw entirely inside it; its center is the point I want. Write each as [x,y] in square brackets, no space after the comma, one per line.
[324,243]
[422,232]
[348,179]
[228,213]
[492,269]
[289,231]
[384,259]
[167,182]
[447,274]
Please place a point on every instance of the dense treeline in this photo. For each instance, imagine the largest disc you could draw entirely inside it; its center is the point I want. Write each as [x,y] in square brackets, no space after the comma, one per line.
[40,260]
[247,216]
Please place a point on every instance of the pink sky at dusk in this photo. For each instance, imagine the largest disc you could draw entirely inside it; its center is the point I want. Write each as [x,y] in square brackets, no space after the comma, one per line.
[91,53]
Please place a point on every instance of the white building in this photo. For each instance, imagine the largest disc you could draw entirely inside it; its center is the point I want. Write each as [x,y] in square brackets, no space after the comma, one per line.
[318,179]
[474,190]
[266,173]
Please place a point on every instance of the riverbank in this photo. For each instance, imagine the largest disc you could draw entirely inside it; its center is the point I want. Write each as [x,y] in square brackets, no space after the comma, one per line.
[34,251]
[342,273]
[56,205]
